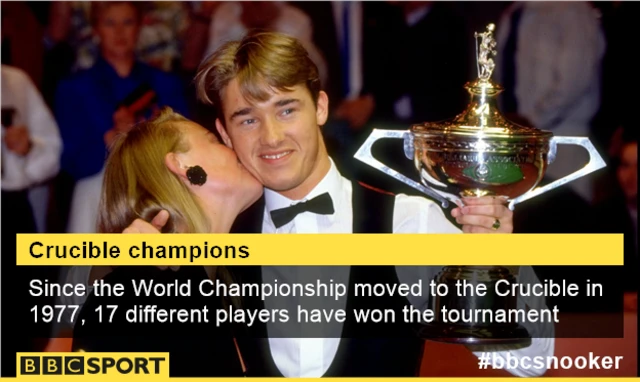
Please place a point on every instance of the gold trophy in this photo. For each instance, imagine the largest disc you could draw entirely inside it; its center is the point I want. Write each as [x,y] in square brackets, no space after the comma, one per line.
[478,153]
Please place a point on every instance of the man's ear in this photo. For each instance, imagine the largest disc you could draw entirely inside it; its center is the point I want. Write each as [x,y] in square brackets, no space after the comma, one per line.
[174,165]
[223,133]
[322,108]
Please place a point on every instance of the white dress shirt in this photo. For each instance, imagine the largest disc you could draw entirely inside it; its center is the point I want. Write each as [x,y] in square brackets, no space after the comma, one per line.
[43,160]
[311,357]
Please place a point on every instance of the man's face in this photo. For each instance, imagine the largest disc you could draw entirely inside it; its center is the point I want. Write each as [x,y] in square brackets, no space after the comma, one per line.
[118,30]
[279,141]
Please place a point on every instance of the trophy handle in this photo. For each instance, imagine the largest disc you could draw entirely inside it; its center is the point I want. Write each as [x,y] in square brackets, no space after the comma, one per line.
[364,155]
[595,163]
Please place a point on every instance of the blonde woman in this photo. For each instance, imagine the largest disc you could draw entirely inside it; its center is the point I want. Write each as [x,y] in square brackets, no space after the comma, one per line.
[169,164]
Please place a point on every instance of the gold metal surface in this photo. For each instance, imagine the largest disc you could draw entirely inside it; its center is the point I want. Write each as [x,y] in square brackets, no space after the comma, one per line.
[480,152]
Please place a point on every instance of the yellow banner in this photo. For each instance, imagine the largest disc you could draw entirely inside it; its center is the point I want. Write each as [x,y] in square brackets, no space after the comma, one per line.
[318,249]
[472,379]
[457,379]
[116,377]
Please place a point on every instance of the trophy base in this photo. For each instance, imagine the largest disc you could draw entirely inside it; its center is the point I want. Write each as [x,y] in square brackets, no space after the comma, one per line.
[487,335]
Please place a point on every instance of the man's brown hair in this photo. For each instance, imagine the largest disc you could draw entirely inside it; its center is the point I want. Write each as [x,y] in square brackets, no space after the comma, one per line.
[99,7]
[260,61]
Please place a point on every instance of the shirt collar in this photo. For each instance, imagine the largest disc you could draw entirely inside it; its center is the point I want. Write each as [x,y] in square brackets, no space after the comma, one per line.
[331,183]
[104,67]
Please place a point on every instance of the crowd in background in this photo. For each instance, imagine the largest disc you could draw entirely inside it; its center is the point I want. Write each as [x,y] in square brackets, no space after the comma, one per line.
[76,74]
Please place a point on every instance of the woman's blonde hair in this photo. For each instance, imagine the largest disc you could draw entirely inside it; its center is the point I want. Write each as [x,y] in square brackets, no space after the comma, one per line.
[138,184]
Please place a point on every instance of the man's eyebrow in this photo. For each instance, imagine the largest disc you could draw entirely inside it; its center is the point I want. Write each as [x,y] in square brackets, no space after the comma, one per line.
[239,113]
[287,101]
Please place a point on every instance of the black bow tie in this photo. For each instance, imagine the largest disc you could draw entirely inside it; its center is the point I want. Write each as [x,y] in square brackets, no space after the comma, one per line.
[321,204]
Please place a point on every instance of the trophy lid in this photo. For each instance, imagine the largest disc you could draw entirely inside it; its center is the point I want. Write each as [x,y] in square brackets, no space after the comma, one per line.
[482,117]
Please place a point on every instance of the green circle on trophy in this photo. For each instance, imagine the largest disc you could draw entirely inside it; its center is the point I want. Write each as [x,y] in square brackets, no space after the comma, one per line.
[494,173]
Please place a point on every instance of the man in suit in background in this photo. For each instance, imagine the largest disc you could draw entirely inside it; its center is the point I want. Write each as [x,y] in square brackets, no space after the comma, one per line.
[435,44]
[359,42]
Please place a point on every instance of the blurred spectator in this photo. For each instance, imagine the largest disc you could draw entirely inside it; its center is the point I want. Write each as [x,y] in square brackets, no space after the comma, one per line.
[231,20]
[162,25]
[196,37]
[619,212]
[194,45]
[360,45]
[96,104]
[173,38]
[31,148]
[22,48]
[22,39]
[549,61]
[531,216]
[435,61]
[618,96]
[358,40]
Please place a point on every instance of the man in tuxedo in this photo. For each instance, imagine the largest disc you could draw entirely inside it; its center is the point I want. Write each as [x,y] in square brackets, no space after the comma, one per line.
[272,120]
[271,108]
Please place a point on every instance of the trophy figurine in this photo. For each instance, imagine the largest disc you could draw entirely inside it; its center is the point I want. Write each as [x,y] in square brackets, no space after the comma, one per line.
[477,153]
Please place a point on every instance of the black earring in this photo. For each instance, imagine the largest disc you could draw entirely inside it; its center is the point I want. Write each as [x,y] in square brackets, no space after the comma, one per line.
[196,175]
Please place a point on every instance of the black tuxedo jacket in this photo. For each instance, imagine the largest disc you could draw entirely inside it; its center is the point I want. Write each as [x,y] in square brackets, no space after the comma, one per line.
[365,350]
[195,350]
[435,64]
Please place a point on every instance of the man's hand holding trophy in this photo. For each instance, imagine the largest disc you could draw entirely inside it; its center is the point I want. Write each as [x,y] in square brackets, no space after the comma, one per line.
[479,154]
